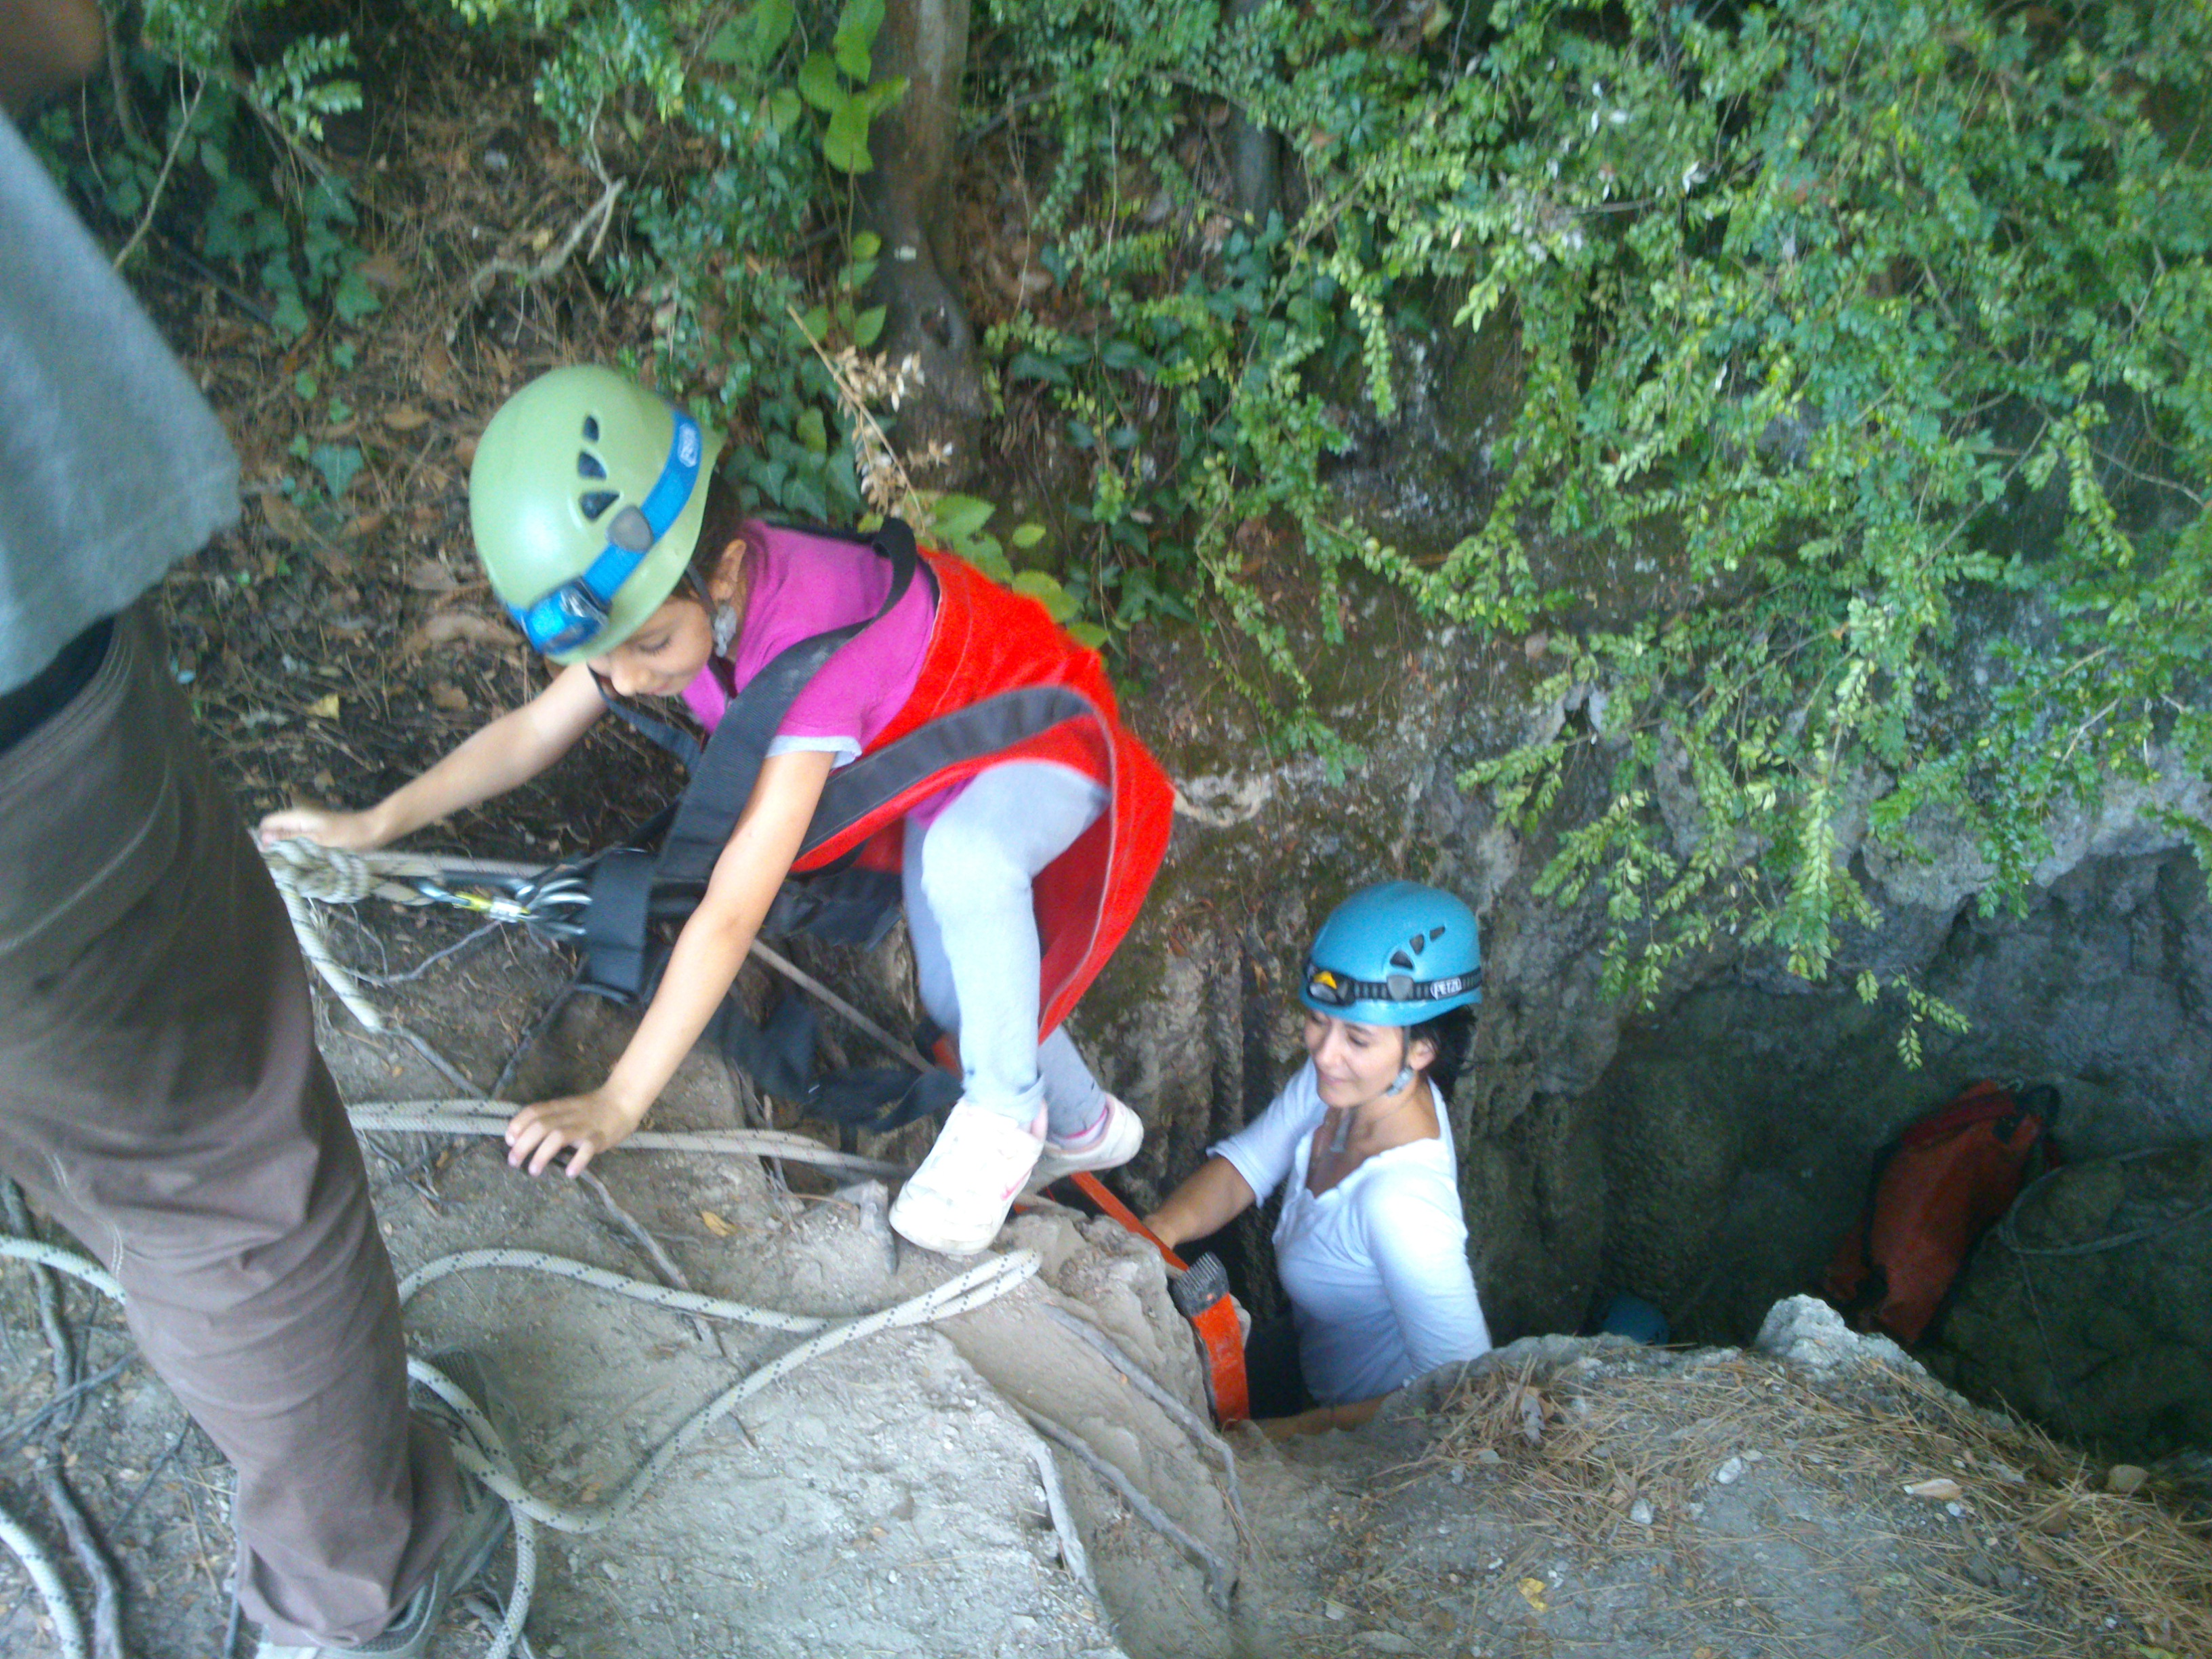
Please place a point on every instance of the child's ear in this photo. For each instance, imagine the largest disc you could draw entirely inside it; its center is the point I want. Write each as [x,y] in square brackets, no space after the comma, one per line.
[729,584]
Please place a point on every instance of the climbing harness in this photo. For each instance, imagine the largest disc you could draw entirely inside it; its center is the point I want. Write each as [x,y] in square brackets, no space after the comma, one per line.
[548,901]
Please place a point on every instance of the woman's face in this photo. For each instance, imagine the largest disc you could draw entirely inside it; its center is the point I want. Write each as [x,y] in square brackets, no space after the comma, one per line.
[664,654]
[1356,1065]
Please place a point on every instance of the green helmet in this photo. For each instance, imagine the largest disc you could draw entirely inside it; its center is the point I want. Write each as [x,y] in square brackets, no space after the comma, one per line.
[585,497]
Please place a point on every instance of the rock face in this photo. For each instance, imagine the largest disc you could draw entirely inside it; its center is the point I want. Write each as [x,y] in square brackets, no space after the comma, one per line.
[2090,1307]
[1705,1154]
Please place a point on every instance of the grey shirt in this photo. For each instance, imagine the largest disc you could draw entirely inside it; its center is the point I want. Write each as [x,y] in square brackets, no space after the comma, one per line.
[112,465]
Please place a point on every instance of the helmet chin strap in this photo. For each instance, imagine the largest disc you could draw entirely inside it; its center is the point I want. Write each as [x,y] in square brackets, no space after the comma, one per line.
[1403,1081]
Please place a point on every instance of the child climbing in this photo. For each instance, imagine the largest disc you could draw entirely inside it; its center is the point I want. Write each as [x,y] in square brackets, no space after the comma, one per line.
[986,741]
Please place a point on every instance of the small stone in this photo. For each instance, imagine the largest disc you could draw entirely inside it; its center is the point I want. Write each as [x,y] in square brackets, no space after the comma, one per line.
[1727,1474]
[1941,1490]
[2125,1478]
[1640,1512]
[1336,1610]
[1488,1457]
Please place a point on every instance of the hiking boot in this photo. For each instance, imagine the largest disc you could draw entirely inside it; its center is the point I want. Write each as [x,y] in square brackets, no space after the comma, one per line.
[483,1521]
[1113,1141]
[957,1200]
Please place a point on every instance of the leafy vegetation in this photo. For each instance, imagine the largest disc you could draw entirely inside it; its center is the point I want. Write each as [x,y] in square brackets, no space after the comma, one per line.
[288,227]
[1873,342]
[741,318]
[1816,305]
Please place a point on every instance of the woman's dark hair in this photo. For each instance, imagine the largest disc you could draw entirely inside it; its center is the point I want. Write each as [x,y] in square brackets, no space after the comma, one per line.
[1453,1034]
[721,524]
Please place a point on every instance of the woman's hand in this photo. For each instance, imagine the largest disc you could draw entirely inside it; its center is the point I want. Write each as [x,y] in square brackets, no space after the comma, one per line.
[350,832]
[590,1123]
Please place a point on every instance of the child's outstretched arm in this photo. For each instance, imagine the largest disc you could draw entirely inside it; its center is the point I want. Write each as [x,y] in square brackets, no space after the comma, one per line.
[708,952]
[514,749]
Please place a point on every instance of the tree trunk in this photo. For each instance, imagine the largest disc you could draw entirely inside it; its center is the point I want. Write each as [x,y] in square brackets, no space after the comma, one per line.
[902,202]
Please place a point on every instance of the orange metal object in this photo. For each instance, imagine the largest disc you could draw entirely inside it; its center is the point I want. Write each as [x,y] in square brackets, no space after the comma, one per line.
[1218,1331]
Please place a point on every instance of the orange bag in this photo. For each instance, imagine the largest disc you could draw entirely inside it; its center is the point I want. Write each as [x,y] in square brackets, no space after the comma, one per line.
[1937,1189]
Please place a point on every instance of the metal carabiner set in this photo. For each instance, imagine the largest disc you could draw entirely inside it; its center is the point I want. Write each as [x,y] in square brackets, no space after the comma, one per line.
[551,902]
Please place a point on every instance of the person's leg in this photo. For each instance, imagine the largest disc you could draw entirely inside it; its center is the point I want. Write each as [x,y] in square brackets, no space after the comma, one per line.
[159,1091]
[1075,1102]
[932,972]
[973,925]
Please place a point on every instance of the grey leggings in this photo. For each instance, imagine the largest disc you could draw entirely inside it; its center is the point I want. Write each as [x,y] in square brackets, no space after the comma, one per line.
[975,953]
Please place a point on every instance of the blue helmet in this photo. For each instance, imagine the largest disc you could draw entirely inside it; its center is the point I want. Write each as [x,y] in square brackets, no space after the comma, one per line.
[1394,954]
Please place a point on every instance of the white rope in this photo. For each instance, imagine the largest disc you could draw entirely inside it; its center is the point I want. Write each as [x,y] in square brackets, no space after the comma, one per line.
[471,1117]
[306,870]
[985,1282]
[68,1628]
[317,949]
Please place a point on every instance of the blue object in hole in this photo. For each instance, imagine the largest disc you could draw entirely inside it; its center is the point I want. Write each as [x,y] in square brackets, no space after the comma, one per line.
[1633,1317]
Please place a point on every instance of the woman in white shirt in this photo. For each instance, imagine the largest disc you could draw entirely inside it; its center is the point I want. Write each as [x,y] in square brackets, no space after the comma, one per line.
[1371,1246]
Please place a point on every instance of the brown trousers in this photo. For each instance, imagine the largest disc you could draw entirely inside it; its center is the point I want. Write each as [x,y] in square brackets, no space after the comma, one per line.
[160,1095]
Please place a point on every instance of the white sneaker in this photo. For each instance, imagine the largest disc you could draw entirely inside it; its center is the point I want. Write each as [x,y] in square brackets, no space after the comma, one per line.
[957,1200]
[1113,1146]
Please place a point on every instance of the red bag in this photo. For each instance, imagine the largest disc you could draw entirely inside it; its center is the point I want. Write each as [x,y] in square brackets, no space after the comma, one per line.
[1937,1189]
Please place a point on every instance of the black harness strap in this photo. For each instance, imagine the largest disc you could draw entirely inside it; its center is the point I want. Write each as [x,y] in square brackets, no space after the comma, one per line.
[662,734]
[616,944]
[989,726]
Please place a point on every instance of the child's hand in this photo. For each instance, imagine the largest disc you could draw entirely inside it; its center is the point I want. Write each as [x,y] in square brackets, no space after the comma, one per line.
[591,1123]
[350,832]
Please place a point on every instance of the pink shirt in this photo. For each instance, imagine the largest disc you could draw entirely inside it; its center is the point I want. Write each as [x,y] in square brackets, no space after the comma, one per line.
[804,585]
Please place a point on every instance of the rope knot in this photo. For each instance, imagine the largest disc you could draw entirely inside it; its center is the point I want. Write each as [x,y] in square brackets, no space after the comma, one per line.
[327,874]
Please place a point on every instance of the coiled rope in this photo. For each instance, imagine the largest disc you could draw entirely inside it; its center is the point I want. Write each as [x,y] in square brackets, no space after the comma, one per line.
[306,870]
[986,1281]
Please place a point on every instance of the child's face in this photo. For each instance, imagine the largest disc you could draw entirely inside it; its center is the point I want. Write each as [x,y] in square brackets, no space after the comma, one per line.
[664,655]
